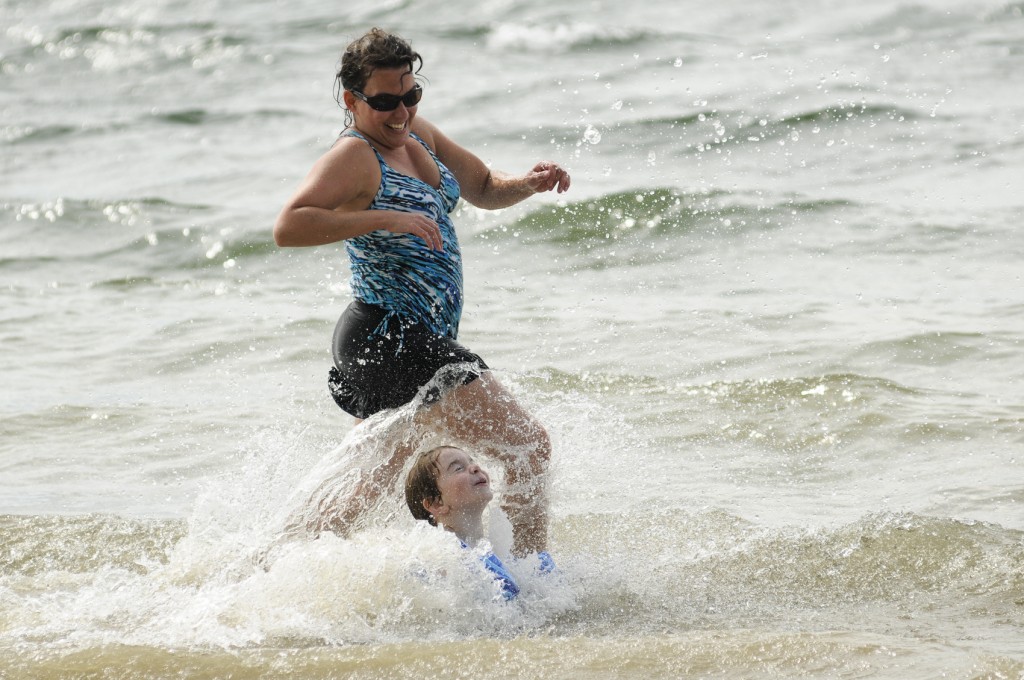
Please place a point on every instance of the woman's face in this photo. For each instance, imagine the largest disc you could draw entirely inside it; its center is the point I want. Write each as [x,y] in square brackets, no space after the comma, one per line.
[389,129]
[463,484]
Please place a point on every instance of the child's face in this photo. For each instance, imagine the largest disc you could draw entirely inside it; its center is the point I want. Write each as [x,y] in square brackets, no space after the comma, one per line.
[463,484]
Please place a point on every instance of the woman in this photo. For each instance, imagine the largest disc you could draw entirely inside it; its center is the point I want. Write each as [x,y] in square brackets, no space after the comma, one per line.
[386,189]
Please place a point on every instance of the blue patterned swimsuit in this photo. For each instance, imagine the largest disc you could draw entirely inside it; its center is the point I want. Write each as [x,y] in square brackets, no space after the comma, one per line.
[401,329]
[399,272]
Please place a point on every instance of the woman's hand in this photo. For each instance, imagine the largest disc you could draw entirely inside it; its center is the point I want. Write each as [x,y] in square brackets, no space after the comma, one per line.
[416,224]
[486,188]
[546,175]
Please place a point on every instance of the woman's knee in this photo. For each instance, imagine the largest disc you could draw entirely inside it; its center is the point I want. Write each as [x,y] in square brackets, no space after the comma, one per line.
[542,447]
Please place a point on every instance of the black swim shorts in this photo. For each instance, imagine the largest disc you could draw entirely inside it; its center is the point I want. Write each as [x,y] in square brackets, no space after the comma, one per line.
[376,369]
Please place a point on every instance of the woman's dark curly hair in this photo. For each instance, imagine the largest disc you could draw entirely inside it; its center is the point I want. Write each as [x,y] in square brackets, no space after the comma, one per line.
[375,49]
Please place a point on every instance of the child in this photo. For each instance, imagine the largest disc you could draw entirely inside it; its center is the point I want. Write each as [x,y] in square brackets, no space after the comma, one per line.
[446,486]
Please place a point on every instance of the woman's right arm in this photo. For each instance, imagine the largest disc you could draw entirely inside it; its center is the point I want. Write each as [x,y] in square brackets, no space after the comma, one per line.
[332,203]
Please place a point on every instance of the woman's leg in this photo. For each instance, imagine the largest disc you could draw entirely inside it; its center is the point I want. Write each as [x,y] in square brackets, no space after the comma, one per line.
[338,505]
[484,415]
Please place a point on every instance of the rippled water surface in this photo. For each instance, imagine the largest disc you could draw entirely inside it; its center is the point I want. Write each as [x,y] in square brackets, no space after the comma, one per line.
[775,330]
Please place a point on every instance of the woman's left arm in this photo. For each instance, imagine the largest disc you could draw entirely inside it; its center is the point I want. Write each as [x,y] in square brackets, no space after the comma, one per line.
[486,188]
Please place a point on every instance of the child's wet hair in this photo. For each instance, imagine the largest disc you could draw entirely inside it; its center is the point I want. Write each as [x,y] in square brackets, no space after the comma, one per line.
[421,483]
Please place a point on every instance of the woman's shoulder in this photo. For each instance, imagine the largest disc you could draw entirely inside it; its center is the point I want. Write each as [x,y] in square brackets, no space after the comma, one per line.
[351,153]
[352,144]
[351,166]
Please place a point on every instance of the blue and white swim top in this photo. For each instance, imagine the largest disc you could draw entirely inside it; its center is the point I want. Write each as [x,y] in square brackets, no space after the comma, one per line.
[501,574]
[508,585]
[400,272]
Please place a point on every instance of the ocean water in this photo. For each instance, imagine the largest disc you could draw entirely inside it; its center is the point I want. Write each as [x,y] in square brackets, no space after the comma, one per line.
[775,329]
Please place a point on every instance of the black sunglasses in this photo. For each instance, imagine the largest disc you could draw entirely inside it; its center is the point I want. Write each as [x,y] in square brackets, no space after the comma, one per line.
[390,102]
